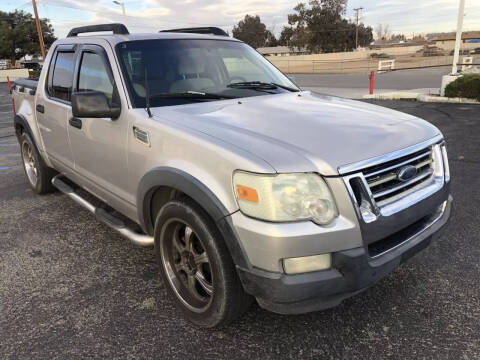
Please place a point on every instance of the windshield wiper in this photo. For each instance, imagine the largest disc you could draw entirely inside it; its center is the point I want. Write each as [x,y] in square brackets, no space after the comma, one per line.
[286,87]
[252,85]
[191,95]
[260,85]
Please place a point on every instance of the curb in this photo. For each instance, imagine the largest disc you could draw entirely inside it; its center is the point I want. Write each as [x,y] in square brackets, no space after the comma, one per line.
[420,97]
[442,99]
[393,96]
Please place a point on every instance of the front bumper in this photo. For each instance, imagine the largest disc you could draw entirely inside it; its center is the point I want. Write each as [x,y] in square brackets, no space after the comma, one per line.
[352,271]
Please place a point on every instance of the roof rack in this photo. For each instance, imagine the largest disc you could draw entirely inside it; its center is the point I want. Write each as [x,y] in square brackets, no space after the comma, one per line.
[117,29]
[210,30]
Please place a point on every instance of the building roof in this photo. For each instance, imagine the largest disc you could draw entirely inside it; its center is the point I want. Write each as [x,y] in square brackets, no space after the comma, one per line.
[279,50]
[467,35]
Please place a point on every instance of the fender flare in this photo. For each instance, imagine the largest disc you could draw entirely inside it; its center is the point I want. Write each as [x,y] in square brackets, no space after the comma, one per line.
[20,120]
[201,194]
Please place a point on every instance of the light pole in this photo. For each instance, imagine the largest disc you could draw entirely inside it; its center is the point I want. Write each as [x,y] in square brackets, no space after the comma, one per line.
[447,79]
[122,4]
[456,56]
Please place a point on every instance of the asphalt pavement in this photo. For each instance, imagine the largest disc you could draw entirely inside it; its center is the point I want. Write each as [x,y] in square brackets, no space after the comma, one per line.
[355,86]
[72,288]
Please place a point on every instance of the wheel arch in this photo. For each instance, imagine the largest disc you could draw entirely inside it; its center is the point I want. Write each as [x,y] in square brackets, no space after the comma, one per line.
[20,123]
[169,182]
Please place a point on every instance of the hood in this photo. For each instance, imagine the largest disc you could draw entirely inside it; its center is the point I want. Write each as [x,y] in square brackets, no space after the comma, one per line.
[303,132]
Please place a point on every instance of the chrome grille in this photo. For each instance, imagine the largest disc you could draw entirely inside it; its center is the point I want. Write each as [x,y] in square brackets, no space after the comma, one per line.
[383,179]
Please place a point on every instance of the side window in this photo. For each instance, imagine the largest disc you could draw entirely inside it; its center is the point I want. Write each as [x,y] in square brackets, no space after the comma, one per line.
[94,76]
[62,79]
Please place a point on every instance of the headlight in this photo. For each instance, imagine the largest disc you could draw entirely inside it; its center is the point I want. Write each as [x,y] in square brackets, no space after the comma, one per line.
[285,197]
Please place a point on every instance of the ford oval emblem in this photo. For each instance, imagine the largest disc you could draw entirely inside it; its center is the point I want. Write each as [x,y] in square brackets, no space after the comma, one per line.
[406,173]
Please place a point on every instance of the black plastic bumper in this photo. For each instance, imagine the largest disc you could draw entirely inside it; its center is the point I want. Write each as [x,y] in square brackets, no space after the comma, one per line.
[352,272]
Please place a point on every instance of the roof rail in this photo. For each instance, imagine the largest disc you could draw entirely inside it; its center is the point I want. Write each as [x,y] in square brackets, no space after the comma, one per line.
[210,30]
[117,29]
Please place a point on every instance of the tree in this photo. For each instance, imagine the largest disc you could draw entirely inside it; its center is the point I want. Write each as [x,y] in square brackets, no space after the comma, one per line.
[252,31]
[398,38]
[365,35]
[18,35]
[419,38]
[320,26]
[286,36]
[271,40]
[382,32]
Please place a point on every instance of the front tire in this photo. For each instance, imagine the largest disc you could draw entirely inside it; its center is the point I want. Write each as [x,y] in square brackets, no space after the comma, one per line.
[196,266]
[38,174]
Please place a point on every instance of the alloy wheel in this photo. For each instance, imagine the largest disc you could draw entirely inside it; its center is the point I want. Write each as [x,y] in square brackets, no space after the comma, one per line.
[187,265]
[29,163]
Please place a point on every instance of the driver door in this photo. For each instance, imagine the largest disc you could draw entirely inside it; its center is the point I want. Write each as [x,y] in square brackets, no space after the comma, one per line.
[99,144]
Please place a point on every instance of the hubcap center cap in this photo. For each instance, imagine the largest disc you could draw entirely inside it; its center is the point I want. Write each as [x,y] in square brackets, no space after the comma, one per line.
[189,262]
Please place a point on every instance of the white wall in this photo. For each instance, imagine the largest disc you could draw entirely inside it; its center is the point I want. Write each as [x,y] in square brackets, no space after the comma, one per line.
[13,74]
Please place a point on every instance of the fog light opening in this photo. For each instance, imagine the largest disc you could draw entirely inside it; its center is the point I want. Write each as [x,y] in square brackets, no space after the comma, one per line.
[306,264]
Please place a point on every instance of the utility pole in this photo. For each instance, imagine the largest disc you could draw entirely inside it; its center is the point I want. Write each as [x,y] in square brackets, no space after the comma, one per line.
[356,33]
[39,29]
[456,56]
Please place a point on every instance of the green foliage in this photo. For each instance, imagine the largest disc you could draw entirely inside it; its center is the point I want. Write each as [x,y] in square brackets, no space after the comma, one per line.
[252,31]
[286,36]
[18,35]
[271,39]
[320,26]
[466,86]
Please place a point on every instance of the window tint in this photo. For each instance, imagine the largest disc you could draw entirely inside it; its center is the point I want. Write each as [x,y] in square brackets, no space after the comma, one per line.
[94,75]
[61,87]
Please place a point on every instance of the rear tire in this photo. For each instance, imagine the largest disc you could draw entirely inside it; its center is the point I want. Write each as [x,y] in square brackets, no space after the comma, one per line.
[39,175]
[196,266]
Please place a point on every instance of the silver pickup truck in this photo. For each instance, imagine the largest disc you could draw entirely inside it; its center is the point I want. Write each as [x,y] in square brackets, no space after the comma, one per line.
[247,187]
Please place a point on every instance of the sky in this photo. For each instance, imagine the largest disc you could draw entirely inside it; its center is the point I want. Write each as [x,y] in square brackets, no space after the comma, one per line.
[402,16]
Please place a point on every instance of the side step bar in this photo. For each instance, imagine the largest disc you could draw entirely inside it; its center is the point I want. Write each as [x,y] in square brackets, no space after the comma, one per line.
[103,216]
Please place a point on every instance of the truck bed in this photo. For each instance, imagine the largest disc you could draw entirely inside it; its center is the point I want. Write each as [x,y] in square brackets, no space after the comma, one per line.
[23,85]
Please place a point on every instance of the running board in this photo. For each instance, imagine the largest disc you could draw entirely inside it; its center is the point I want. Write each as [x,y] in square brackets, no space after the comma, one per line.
[102,215]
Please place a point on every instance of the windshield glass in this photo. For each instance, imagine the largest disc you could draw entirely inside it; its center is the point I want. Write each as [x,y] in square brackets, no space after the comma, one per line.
[216,67]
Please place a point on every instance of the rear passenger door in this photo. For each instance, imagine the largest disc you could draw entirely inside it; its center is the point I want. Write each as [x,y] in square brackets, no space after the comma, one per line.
[52,110]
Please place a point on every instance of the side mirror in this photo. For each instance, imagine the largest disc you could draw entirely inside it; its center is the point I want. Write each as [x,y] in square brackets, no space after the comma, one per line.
[93,104]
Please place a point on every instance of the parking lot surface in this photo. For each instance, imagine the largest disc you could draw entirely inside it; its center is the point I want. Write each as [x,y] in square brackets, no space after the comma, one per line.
[72,288]
[398,80]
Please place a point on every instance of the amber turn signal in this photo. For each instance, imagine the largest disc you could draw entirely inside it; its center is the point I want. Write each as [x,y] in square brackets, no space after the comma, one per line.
[247,194]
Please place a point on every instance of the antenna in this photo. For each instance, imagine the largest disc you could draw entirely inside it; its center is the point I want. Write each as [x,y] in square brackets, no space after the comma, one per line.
[147,93]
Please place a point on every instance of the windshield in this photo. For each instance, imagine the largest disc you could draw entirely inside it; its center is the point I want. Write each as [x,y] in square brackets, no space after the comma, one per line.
[228,69]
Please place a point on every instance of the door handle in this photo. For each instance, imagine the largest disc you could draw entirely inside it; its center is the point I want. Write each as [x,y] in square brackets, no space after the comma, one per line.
[40,108]
[75,122]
